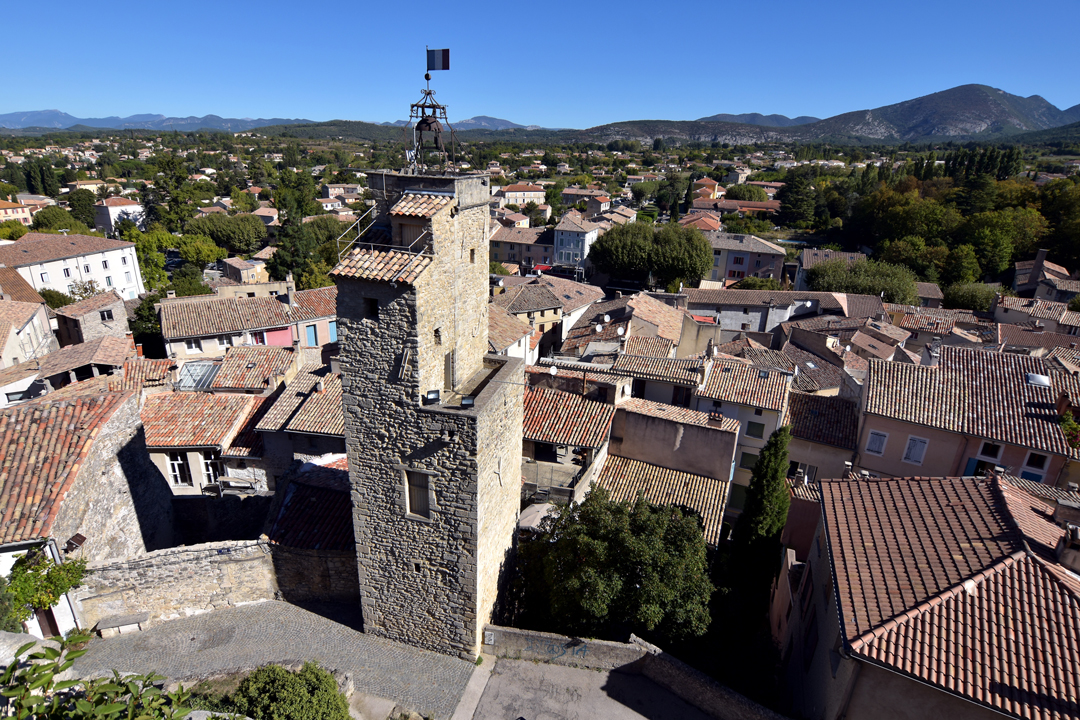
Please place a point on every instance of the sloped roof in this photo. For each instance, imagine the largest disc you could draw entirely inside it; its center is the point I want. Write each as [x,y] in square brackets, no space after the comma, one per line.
[763,298]
[561,418]
[977,393]
[142,372]
[300,407]
[687,371]
[742,243]
[625,478]
[44,444]
[830,420]
[194,419]
[524,235]
[504,329]
[16,288]
[382,265]
[216,316]
[527,298]
[248,443]
[572,295]
[95,303]
[810,257]
[103,351]
[746,385]
[674,413]
[420,204]
[36,248]
[929,290]
[643,346]
[17,314]
[934,581]
[252,367]
[667,319]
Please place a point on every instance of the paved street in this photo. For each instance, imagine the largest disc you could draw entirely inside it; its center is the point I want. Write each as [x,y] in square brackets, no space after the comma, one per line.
[537,691]
[253,635]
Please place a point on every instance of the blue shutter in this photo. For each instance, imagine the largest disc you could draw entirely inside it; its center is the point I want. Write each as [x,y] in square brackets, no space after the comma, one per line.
[333,330]
[969,470]
[311,341]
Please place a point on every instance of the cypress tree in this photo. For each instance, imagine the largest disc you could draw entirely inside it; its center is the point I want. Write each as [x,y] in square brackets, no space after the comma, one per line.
[768,498]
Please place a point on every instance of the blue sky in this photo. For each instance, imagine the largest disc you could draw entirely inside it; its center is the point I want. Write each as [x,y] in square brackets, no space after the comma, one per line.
[556,64]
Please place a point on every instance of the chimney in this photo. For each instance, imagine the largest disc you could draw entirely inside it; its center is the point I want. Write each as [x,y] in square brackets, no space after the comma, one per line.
[138,350]
[170,293]
[1037,267]
[618,293]
[1064,403]
[320,386]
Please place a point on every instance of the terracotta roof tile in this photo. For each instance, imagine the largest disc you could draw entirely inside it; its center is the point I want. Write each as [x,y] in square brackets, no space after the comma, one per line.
[829,420]
[91,304]
[44,444]
[382,265]
[315,516]
[252,367]
[625,478]
[248,443]
[527,298]
[194,419]
[301,408]
[16,288]
[560,418]
[747,385]
[678,414]
[762,298]
[143,372]
[35,248]
[420,204]
[103,351]
[655,347]
[217,316]
[810,257]
[17,314]
[504,329]
[668,320]
[929,290]
[688,371]
[314,304]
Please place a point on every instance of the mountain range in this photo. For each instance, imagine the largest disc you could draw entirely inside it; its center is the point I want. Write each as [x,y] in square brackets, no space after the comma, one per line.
[62,121]
[967,112]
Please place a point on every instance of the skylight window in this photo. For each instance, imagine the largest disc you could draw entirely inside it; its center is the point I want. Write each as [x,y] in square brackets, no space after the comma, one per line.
[1038,380]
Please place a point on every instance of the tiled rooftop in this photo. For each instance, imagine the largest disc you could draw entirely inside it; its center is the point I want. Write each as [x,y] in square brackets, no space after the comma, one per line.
[15,288]
[573,295]
[504,329]
[746,385]
[420,204]
[762,298]
[45,443]
[299,407]
[934,581]
[688,371]
[830,420]
[562,418]
[143,372]
[248,443]
[644,346]
[810,257]
[217,316]
[35,248]
[95,303]
[252,367]
[315,516]
[625,478]
[103,351]
[929,290]
[382,265]
[530,297]
[977,393]
[194,419]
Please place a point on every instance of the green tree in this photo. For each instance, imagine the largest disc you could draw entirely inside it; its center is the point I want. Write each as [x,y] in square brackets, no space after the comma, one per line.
[12,230]
[755,283]
[54,298]
[296,249]
[243,202]
[167,200]
[9,621]
[81,206]
[82,289]
[972,296]
[600,568]
[8,191]
[496,268]
[797,200]
[749,193]
[962,266]
[894,283]
[240,234]
[187,280]
[36,582]
[625,251]
[52,217]
[33,691]
[200,250]
[670,253]
[680,254]
[149,247]
[145,322]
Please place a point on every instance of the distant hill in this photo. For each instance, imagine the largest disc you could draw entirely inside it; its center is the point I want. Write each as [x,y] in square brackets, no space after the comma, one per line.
[968,111]
[483,122]
[55,119]
[344,129]
[759,119]
[1073,113]
[1067,134]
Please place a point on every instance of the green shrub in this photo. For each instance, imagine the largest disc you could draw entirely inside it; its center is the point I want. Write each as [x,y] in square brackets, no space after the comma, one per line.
[274,693]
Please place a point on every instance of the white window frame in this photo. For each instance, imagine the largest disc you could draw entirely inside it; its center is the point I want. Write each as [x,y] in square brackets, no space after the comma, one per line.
[106,315]
[258,337]
[211,467]
[225,341]
[67,272]
[907,450]
[123,260]
[108,281]
[44,277]
[86,268]
[193,345]
[884,442]
[1030,470]
[179,471]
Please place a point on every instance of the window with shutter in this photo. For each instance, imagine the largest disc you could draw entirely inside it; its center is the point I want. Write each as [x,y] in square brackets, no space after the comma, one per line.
[875,443]
[916,449]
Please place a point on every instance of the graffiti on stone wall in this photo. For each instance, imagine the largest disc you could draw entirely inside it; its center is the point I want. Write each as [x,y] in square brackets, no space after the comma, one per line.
[555,650]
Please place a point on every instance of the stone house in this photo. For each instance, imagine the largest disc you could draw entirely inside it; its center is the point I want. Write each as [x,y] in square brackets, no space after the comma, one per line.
[1028,274]
[245,271]
[758,400]
[565,442]
[970,413]
[664,379]
[674,456]
[74,363]
[530,246]
[535,304]
[623,317]
[739,256]
[930,294]
[888,623]
[765,310]
[25,334]
[200,441]
[432,423]
[78,485]
[102,315]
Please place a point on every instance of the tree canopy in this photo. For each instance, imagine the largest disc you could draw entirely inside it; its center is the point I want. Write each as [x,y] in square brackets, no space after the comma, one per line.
[239,234]
[200,250]
[894,283]
[750,193]
[972,296]
[670,253]
[601,568]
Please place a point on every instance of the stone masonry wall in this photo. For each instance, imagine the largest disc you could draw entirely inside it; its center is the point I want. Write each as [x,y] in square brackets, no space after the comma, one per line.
[178,582]
[92,327]
[316,575]
[119,501]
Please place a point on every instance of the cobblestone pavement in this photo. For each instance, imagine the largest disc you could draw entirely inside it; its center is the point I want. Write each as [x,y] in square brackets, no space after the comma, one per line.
[253,635]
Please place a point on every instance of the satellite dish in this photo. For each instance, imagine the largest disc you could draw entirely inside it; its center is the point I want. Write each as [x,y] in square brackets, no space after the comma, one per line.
[599,328]
[501,283]
[848,348]
[553,371]
[621,331]
[607,318]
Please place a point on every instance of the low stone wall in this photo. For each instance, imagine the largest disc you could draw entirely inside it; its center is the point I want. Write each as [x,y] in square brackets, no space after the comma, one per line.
[506,642]
[304,575]
[178,582]
[637,657]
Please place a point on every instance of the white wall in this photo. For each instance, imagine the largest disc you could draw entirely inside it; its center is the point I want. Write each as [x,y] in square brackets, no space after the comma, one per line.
[76,266]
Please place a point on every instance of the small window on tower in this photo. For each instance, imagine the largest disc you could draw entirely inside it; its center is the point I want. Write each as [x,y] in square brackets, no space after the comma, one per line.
[438,336]
[418,494]
[472,255]
[371,308]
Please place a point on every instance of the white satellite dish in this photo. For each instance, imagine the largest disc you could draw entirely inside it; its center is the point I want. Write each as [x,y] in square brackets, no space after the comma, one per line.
[607,318]
[599,328]
[621,331]
[553,371]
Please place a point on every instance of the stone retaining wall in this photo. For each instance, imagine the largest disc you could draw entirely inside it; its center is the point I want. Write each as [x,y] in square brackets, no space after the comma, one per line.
[637,656]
